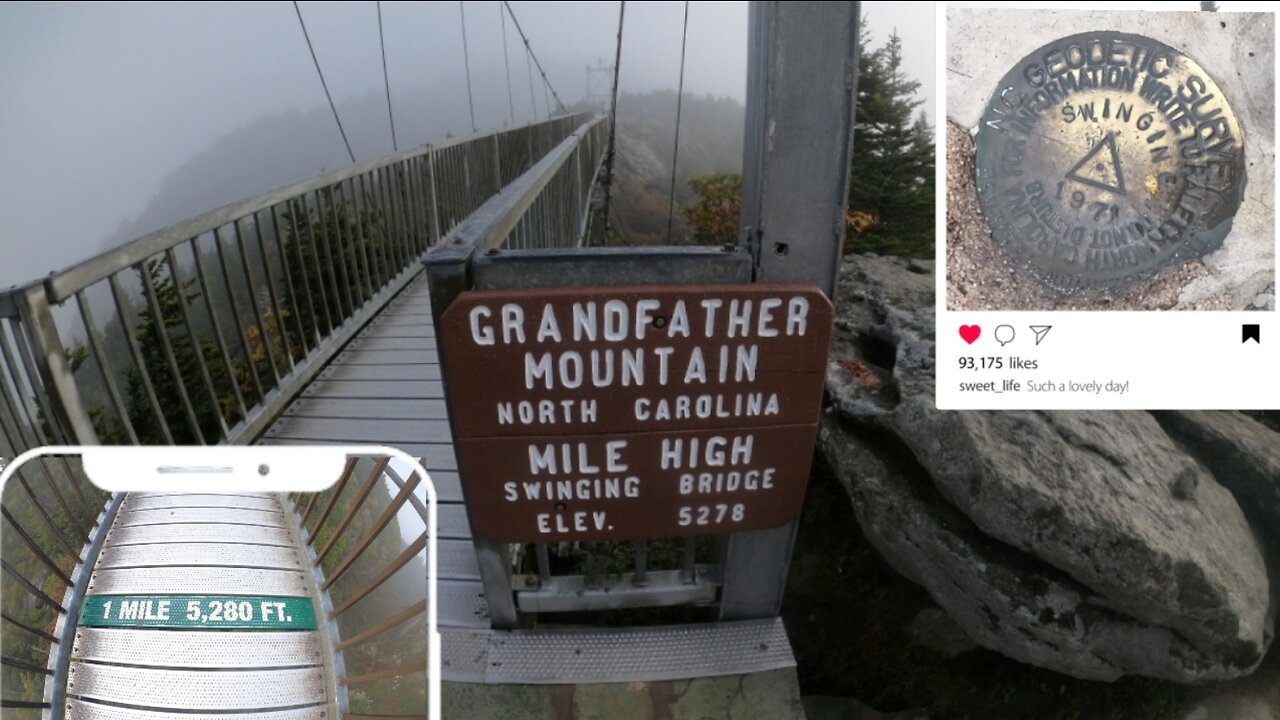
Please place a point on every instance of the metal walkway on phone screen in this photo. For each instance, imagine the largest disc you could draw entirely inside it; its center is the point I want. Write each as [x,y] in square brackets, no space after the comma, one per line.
[385,388]
[200,606]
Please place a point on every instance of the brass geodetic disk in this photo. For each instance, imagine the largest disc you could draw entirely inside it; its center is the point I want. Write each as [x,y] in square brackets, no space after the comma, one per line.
[1104,156]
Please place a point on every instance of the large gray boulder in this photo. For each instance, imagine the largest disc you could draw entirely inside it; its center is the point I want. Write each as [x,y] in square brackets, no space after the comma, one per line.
[1091,543]
[1242,453]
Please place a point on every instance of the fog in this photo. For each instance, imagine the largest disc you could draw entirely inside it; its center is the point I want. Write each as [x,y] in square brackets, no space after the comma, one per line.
[109,112]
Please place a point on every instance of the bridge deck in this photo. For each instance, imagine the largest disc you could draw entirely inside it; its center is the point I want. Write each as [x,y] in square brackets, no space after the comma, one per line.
[189,614]
[385,388]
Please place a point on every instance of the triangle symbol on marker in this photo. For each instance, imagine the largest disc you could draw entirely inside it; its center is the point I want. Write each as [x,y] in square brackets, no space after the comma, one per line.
[1101,167]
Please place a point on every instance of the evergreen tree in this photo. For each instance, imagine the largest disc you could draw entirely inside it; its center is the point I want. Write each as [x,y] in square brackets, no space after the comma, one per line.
[184,346]
[321,246]
[891,185]
[891,188]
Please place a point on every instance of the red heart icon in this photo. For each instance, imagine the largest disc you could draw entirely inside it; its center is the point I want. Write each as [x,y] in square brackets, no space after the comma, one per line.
[970,333]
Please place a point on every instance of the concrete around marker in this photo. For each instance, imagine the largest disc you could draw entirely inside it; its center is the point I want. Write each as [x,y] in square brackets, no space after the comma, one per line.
[1236,49]
[770,695]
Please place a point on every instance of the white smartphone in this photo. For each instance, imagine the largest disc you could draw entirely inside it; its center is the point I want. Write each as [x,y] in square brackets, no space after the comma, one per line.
[268,582]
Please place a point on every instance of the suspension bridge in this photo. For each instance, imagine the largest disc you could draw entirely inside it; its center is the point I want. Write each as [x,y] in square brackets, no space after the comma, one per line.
[306,315]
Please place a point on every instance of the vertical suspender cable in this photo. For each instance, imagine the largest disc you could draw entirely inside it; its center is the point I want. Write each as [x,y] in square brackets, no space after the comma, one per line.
[675,151]
[613,121]
[386,80]
[467,63]
[528,65]
[323,84]
[506,62]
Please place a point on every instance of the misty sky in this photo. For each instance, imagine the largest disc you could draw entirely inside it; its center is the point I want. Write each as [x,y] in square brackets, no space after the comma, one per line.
[100,102]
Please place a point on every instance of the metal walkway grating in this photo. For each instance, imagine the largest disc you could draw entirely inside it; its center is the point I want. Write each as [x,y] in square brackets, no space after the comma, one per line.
[190,613]
[384,388]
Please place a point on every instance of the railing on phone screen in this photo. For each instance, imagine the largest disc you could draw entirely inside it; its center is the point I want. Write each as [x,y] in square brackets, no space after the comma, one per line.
[365,537]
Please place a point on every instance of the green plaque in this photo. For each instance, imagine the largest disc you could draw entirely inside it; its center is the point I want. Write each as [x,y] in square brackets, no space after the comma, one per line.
[220,612]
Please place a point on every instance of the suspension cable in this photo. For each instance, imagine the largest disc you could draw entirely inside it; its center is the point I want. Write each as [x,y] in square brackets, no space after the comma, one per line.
[386,80]
[506,62]
[613,121]
[534,55]
[675,150]
[323,84]
[533,104]
[467,63]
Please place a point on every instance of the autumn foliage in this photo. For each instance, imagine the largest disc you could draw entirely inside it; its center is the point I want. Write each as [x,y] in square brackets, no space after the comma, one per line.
[715,216]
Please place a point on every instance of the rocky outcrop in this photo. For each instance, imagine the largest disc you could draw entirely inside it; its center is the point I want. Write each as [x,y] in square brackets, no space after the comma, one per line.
[1098,544]
[1242,453]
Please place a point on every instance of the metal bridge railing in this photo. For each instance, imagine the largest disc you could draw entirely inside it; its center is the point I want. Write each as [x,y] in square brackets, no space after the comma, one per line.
[50,512]
[532,235]
[203,332]
[367,541]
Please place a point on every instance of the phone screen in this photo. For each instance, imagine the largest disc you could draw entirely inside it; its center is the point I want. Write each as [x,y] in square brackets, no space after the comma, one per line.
[201,595]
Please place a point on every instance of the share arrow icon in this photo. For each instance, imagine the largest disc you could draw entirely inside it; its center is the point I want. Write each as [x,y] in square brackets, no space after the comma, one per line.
[1041,331]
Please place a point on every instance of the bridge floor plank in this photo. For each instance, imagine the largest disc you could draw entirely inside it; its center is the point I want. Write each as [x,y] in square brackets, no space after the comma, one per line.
[384,388]
[368,409]
[213,551]
[370,430]
[375,389]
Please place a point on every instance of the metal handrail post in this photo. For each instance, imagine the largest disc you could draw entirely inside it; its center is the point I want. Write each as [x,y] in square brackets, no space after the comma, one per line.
[57,384]
[432,203]
[802,76]
[56,688]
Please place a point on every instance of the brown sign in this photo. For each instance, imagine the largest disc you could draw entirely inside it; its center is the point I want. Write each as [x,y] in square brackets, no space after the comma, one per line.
[623,413]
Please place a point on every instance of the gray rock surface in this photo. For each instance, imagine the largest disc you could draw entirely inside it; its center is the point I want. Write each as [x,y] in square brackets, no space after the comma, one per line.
[1265,300]
[935,629]
[1091,543]
[825,707]
[1242,453]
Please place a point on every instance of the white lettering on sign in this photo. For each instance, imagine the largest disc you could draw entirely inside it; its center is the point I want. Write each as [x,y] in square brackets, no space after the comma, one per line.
[618,321]
[543,458]
[142,610]
[739,317]
[696,370]
[270,608]
[603,368]
[676,455]
[679,324]
[721,482]
[797,316]
[705,407]
[712,514]
[711,305]
[644,315]
[579,522]
[764,322]
[481,335]
[512,323]
[654,397]
[549,329]
[615,321]
[547,412]
[599,488]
